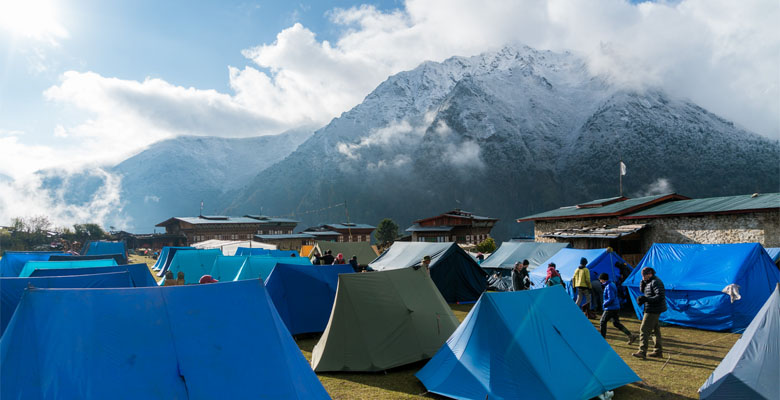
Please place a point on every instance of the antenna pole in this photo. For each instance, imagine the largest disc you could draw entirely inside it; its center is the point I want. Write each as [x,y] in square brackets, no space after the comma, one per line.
[620,174]
[349,229]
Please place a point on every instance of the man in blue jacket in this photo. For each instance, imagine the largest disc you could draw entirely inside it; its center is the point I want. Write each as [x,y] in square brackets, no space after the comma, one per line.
[612,308]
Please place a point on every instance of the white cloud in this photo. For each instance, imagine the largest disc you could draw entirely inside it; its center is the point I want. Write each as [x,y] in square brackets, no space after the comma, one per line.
[659,186]
[465,154]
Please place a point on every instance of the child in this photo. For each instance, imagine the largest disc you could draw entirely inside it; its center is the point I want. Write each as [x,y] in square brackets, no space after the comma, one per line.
[612,308]
[553,277]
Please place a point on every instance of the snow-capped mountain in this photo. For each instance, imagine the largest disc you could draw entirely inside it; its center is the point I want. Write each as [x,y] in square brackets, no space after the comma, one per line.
[173,176]
[505,134]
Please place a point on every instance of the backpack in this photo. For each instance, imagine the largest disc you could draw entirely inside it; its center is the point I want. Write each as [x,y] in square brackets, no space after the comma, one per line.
[554,280]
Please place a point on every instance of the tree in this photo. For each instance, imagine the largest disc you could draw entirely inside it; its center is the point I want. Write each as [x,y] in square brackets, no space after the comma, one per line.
[487,246]
[386,231]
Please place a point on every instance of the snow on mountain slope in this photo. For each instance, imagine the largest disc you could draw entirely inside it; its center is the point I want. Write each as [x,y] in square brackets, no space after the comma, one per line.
[506,134]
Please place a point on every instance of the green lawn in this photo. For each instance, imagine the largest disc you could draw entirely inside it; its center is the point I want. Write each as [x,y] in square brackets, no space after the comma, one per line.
[691,355]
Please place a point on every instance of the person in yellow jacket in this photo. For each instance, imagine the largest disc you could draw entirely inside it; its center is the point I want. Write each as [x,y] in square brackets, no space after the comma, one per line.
[582,285]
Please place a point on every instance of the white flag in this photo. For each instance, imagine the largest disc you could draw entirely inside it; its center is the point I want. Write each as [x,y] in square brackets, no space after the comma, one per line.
[622,168]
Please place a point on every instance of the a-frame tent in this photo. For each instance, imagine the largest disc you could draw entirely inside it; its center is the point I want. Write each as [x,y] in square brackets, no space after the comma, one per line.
[505,257]
[139,273]
[226,268]
[260,267]
[531,344]
[382,320]
[12,262]
[176,342]
[31,266]
[695,277]
[304,294]
[194,264]
[456,274]
[751,369]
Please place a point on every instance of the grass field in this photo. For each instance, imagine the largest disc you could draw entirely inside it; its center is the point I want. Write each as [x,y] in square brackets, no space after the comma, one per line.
[691,355]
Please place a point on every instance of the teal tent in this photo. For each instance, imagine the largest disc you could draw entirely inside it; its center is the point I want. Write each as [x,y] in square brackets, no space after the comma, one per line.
[194,264]
[533,344]
[261,266]
[12,262]
[226,268]
[217,341]
[33,265]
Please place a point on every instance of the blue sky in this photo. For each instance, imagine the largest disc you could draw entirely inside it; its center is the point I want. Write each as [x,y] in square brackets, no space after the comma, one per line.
[85,84]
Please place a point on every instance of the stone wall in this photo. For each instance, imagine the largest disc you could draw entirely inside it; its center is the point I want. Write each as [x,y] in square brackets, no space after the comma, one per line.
[761,227]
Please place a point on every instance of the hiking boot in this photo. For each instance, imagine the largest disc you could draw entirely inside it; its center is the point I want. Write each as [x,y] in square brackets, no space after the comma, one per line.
[656,354]
[632,339]
[640,354]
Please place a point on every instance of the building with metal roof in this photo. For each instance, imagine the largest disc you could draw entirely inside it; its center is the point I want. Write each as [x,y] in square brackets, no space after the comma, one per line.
[219,227]
[342,232]
[631,226]
[456,225]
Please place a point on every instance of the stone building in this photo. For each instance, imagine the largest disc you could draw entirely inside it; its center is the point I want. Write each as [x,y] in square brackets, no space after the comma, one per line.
[455,226]
[631,226]
[205,227]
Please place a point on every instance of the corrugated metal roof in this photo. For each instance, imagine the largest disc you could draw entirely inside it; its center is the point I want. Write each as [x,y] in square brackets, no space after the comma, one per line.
[286,236]
[601,201]
[229,220]
[418,228]
[349,226]
[618,208]
[726,205]
[265,218]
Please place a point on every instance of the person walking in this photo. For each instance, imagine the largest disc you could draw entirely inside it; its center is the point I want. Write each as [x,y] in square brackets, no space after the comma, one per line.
[612,309]
[654,300]
[520,278]
[582,285]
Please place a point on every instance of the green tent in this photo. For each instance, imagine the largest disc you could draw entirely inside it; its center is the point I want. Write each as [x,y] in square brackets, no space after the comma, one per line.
[363,250]
[382,320]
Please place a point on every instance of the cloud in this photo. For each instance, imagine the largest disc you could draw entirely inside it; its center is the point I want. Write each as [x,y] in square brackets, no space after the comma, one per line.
[465,154]
[26,197]
[660,186]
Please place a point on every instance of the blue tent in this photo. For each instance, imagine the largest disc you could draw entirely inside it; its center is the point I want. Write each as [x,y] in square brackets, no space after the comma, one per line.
[178,342]
[694,276]
[103,247]
[169,256]
[12,289]
[494,354]
[751,369]
[139,273]
[33,265]
[12,262]
[774,253]
[194,264]
[166,255]
[261,266]
[567,261]
[303,295]
[253,251]
[119,258]
[226,268]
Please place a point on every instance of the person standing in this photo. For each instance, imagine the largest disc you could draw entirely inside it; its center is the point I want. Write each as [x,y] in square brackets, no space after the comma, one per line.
[327,259]
[315,258]
[597,292]
[426,263]
[553,276]
[582,285]
[612,309]
[520,278]
[353,262]
[339,259]
[654,300]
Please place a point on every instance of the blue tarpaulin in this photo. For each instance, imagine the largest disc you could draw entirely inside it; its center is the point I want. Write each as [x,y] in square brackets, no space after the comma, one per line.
[178,342]
[12,289]
[139,273]
[550,352]
[751,369]
[694,276]
[226,268]
[194,264]
[13,261]
[303,295]
[33,265]
[261,266]
[254,251]
[103,247]
[164,258]
[169,258]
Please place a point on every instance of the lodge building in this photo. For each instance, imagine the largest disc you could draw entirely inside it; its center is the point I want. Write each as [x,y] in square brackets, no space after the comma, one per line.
[207,227]
[454,226]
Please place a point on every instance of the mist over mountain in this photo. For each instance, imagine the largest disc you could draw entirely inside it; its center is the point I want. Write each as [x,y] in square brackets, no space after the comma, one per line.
[506,134]
[173,176]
